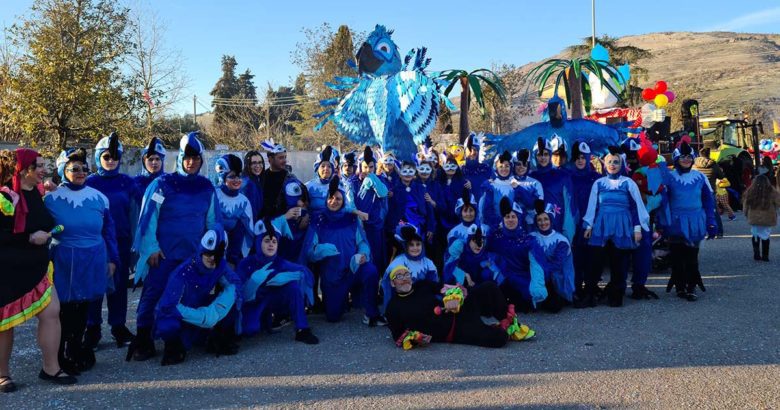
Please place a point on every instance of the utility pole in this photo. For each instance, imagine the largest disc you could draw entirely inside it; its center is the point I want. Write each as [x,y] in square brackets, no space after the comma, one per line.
[268,116]
[195,110]
[593,23]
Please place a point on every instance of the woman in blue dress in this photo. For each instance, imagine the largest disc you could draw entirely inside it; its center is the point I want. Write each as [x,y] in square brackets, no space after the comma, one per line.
[613,225]
[692,218]
[557,263]
[85,255]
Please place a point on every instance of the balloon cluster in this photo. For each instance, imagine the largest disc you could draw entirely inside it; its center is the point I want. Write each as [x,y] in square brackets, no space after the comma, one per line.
[660,95]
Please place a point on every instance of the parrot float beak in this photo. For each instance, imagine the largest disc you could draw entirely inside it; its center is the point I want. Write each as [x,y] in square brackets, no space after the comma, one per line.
[367,61]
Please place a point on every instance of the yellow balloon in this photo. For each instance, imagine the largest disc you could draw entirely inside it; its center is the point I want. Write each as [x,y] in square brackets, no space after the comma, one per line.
[661,100]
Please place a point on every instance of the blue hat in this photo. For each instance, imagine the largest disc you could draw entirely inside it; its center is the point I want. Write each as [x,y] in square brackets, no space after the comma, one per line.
[189,146]
[70,155]
[226,164]
[111,145]
[214,241]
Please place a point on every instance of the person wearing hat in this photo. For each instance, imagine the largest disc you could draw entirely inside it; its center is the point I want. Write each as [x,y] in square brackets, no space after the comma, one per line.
[27,284]
[337,244]
[349,165]
[297,219]
[199,303]
[152,164]
[416,307]
[85,255]
[476,169]
[503,185]
[558,264]
[274,286]
[451,182]
[426,169]
[557,187]
[469,263]
[325,168]
[235,209]
[389,169]
[252,181]
[413,257]
[528,189]
[274,179]
[367,193]
[407,203]
[614,221]
[177,209]
[582,178]
[524,273]
[124,199]
[691,219]
[466,209]
[559,157]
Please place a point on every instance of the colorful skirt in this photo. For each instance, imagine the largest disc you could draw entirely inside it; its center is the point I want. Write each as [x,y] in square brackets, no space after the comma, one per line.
[29,305]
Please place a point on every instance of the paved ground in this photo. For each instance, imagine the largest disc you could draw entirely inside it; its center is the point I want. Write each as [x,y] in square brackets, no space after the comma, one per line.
[720,352]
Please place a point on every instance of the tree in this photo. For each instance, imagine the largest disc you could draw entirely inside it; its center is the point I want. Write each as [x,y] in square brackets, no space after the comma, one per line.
[225,90]
[471,83]
[156,78]
[322,57]
[68,83]
[630,55]
[571,73]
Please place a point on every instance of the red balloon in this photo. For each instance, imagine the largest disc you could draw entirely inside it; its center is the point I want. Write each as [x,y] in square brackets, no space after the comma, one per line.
[648,94]
[660,87]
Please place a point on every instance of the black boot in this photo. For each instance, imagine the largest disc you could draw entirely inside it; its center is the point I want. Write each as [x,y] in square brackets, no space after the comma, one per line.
[306,336]
[142,346]
[756,252]
[173,353]
[122,335]
[67,362]
[222,342]
[92,337]
[765,250]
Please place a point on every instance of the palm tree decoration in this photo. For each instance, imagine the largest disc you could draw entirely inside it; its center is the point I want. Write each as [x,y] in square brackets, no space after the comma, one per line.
[471,82]
[570,73]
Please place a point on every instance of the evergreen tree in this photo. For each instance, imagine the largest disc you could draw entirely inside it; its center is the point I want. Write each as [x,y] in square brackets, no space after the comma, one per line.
[226,88]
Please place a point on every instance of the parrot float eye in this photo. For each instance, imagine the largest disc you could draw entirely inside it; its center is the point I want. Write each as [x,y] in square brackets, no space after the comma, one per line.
[383,47]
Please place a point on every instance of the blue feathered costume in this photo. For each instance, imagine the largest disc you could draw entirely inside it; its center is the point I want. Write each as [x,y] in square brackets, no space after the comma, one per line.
[124,197]
[528,190]
[557,187]
[337,243]
[273,286]
[392,103]
[558,263]
[501,186]
[199,303]
[367,193]
[463,263]
[420,267]
[145,177]
[235,209]
[176,211]
[582,180]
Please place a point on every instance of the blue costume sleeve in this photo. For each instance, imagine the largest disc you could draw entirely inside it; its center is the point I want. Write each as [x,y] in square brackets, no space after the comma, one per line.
[146,235]
[208,316]
[563,269]
[485,204]
[593,204]
[362,248]
[639,213]
[452,273]
[313,251]
[280,223]
[708,202]
[213,216]
[109,236]
[536,288]
[568,216]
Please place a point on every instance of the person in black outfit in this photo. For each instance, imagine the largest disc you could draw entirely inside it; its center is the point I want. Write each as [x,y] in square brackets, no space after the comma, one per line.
[273,180]
[413,307]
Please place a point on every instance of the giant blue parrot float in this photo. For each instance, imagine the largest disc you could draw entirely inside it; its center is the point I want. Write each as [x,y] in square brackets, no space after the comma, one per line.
[598,136]
[392,103]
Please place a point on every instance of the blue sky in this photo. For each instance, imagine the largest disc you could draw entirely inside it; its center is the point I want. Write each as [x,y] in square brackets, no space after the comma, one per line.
[459,34]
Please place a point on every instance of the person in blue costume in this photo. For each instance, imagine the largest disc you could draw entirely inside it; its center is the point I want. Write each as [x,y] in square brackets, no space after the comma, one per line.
[413,258]
[469,262]
[559,157]
[614,221]
[235,208]
[124,198]
[85,255]
[523,258]
[152,164]
[390,169]
[558,263]
[466,209]
[296,198]
[337,243]
[349,165]
[434,196]
[692,218]
[252,181]
[476,169]
[582,178]
[325,169]
[503,185]
[367,193]
[274,286]
[452,182]
[407,203]
[528,189]
[199,303]
[557,189]
[176,211]
[643,168]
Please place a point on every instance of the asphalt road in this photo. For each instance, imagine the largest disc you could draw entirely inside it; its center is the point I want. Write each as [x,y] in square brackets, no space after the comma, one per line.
[722,351]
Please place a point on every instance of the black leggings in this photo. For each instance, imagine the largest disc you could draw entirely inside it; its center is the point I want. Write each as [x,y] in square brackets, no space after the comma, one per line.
[618,266]
[685,267]
[484,299]
[73,322]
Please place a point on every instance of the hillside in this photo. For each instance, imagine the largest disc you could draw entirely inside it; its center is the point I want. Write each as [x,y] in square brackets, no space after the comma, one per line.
[726,72]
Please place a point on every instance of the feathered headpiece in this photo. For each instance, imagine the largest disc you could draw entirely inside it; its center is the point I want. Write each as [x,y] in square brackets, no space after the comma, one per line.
[542,145]
[506,206]
[683,149]
[350,158]
[335,186]
[367,156]
[465,199]
[473,141]
[476,234]
[542,208]
[557,145]
[406,232]
[214,241]
[272,148]
[155,147]
[264,227]
[70,155]
[114,148]
[327,155]
[503,157]
[227,164]
[580,148]
[522,156]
